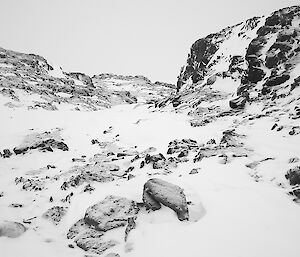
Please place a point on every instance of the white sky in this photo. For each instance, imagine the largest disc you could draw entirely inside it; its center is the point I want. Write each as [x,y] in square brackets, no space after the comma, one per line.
[130,37]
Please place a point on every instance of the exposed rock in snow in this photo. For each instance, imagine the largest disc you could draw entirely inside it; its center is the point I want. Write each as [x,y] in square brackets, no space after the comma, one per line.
[293,175]
[11,229]
[46,141]
[157,191]
[55,214]
[92,242]
[110,213]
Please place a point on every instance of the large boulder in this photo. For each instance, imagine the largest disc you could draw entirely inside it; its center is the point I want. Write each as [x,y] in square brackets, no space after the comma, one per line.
[111,213]
[11,229]
[92,241]
[157,192]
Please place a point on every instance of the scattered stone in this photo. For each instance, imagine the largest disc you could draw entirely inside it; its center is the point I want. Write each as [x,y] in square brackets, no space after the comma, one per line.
[6,153]
[88,188]
[91,172]
[55,214]
[130,176]
[253,165]
[46,141]
[280,128]
[183,153]
[16,205]
[67,199]
[130,226]
[230,138]
[211,142]
[142,164]
[158,160]
[294,160]
[157,192]
[293,175]
[11,229]
[78,160]
[31,184]
[194,171]
[274,126]
[92,242]
[110,213]
[28,221]
[77,228]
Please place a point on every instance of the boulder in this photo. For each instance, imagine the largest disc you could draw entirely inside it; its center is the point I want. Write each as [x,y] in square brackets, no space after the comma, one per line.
[157,192]
[111,213]
[92,241]
[11,229]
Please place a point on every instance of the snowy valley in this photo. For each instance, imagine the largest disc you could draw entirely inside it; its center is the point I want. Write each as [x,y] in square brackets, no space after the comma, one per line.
[114,165]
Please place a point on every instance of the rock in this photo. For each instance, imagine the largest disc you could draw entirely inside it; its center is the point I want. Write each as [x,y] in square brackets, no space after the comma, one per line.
[183,153]
[194,171]
[55,214]
[112,255]
[274,126]
[16,205]
[230,138]
[6,153]
[92,242]
[142,164]
[111,213]
[44,145]
[130,226]
[11,229]
[277,80]
[293,175]
[77,228]
[158,160]
[211,80]
[88,188]
[157,191]
[98,172]
[293,160]
[238,102]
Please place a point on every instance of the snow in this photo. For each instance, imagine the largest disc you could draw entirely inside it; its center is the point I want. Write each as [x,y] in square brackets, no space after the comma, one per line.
[56,72]
[226,85]
[233,215]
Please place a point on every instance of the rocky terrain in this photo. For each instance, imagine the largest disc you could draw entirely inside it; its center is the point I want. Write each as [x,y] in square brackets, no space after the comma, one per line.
[116,165]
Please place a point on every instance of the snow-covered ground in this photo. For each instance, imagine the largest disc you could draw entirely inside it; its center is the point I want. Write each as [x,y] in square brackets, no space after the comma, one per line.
[233,213]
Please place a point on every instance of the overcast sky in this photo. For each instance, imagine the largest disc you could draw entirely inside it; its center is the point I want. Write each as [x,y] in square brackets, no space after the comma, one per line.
[130,37]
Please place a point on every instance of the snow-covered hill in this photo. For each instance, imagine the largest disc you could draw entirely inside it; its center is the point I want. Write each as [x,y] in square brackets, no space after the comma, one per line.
[79,153]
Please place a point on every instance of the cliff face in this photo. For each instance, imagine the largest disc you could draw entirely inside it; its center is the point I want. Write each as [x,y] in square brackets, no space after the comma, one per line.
[261,53]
